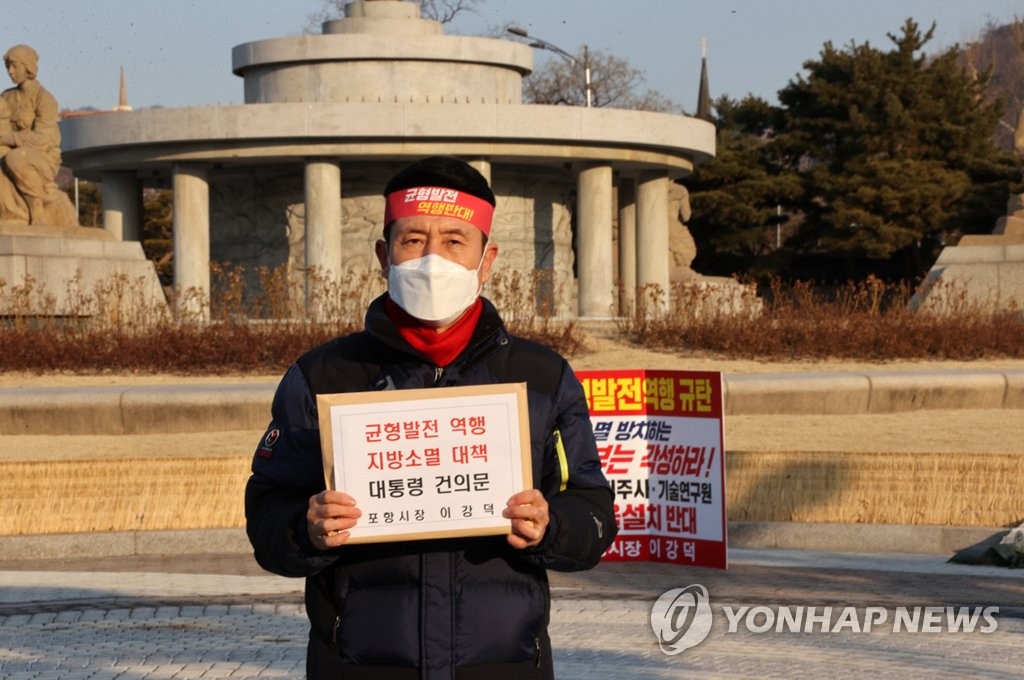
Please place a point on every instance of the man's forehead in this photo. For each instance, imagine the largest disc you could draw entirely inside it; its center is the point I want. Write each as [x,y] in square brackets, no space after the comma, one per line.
[426,224]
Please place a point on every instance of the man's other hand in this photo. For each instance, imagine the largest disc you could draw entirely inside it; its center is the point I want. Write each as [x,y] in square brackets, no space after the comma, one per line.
[528,511]
[330,516]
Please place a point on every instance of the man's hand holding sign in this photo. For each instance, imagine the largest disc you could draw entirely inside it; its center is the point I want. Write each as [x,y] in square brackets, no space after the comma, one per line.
[529,514]
[331,515]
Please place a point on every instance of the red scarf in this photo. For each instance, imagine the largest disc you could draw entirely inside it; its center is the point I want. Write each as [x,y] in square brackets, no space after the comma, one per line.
[440,347]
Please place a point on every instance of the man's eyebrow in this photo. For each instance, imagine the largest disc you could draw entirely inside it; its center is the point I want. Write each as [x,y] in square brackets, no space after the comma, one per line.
[448,230]
[455,229]
[412,230]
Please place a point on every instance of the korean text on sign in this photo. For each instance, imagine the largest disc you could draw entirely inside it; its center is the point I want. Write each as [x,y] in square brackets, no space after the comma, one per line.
[428,463]
[659,440]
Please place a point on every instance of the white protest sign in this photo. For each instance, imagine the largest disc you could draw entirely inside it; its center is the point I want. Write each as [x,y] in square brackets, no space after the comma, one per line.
[427,463]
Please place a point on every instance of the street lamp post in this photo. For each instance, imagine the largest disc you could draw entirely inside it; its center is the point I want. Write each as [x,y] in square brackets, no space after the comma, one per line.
[586,73]
[545,45]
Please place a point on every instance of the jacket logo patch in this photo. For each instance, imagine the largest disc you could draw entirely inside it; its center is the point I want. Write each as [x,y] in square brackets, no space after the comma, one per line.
[266,449]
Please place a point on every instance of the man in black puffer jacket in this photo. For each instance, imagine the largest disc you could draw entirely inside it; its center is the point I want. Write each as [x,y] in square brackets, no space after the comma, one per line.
[446,608]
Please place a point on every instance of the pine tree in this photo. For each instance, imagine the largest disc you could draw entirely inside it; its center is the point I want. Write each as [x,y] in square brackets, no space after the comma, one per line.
[736,196]
[896,150]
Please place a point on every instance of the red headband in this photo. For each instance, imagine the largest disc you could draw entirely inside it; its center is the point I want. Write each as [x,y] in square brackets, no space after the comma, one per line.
[441,202]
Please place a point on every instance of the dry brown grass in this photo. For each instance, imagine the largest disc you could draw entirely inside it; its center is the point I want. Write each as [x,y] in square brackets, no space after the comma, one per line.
[127,494]
[248,332]
[266,330]
[868,320]
[527,308]
[952,489]
[175,492]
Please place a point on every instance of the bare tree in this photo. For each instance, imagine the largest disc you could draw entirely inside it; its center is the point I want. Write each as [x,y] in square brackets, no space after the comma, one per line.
[614,83]
[438,10]
[998,54]
[446,10]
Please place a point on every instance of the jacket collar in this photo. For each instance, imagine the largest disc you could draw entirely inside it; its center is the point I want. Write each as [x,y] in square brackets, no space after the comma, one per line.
[380,326]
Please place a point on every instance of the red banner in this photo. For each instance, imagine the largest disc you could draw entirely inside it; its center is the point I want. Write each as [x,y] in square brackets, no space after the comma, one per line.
[659,438]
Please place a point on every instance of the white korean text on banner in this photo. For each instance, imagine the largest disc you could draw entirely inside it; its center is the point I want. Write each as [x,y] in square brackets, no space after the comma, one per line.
[427,463]
[659,437]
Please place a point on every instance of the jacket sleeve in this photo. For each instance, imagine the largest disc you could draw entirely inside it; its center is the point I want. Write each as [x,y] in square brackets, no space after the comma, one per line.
[581,522]
[286,470]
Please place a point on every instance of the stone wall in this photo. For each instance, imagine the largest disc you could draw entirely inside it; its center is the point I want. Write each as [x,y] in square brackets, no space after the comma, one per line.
[249,216]
[257,220]
[77,272]
[533,230]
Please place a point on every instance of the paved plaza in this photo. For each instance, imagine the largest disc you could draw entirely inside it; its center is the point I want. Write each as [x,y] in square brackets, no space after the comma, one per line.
[221,617]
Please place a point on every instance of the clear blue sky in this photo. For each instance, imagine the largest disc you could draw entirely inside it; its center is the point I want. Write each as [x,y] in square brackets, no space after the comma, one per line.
[178,52]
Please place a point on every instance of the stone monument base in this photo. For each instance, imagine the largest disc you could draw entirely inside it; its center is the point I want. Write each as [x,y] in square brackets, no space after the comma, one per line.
[714,296]
[983,272]
[76,272]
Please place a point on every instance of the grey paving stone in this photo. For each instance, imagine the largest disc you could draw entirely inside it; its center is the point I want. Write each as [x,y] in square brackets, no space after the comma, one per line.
[600,624]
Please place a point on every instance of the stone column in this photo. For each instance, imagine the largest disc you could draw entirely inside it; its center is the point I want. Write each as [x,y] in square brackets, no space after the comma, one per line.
[323,232]
[192,241]
[652,231]
[122,204]
[627,245]
[594,241]
[483,166]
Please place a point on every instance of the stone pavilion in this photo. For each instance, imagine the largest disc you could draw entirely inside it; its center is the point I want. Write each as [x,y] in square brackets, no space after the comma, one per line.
[293,175]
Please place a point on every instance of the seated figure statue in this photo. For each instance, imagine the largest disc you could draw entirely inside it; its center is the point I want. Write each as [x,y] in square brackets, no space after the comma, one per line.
[1018,136]
[5,125]
[30,147]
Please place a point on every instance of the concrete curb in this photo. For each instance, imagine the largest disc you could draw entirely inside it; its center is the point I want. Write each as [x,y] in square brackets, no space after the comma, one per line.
[168,408]
[895,392]
[126,543]
[157,409]
[857,538]
[872,392]
[797,393]
[852,538]
[148,409]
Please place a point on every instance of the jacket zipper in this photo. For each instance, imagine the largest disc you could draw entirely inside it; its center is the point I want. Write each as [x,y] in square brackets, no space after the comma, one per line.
[485,349]
[536,654]
[334,630]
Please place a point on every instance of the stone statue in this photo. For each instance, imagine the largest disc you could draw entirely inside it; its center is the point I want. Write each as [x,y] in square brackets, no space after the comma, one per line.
[1018,136]
[1016,202]
[30,147]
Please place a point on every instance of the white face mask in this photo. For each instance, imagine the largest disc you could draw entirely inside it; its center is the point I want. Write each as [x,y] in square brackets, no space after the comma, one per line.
[433,289]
